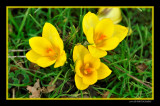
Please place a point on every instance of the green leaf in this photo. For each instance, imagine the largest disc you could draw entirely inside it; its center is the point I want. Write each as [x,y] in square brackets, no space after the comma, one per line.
[26,77]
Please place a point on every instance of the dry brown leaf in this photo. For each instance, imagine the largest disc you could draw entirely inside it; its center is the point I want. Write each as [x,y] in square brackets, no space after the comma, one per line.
[51,87]
[12,69]
[44,90]
[106,94]
[141,67]
[34,66]
[20,63]
[37,85]
[35,90]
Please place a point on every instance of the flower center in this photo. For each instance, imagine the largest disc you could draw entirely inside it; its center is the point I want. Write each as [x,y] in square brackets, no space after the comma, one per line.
[99,37]
[102,37]
[51,52]
[87,69]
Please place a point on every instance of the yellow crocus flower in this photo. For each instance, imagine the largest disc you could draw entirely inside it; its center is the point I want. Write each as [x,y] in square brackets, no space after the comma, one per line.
[88,69]
[48,49]
[103,35]
[113,13]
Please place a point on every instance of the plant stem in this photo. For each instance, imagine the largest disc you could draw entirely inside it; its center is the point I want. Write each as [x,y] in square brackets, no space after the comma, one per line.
[18,50]
[129,75]
[13,93]
[35,21]
[57,77]
[16,56]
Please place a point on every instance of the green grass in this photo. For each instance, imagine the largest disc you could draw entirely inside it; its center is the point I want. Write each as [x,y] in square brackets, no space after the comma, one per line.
[134,50]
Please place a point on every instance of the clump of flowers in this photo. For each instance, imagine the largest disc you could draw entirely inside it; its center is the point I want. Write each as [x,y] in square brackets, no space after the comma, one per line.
[88,69]
[48,49]
[103,35]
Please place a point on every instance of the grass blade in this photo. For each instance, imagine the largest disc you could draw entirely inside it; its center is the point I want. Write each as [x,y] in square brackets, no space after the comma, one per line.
[23,22]
[35,21]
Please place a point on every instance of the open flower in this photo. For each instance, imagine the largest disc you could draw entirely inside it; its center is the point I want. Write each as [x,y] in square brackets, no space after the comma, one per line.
[102,35]
[88,69]
[48,49]
[113,13]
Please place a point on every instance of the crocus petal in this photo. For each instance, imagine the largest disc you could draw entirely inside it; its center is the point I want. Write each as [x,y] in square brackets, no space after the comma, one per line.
[120,32]
[50,32]
[79,52]
[79,83]
[45,61]
[90,79]
[89,36]
[104,27]
[40,45]
[89,20]
[96,52]
[60,60]
[78,66]
[113,13]
[109,44]
[93,61]
[32,56]
[103,71]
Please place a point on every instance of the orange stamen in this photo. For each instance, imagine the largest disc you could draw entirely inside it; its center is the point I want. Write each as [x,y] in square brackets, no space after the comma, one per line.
[102,37]
[88,70]
[50,52]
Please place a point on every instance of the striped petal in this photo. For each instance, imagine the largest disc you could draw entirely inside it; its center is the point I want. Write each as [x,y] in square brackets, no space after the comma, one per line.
[96,52]
[40,45]
[89,20]
[50,32]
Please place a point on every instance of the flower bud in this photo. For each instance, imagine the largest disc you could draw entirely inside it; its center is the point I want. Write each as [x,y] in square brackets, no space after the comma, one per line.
[113,13]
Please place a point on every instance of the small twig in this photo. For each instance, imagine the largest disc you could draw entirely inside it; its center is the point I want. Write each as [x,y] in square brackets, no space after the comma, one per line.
[16,56]
[13,93]
[18,50]
[139,81]
[148,82]
[129,75]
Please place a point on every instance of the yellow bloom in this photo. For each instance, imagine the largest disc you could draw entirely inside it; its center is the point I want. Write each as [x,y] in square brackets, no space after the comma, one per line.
[48,49]
[113,13]
[88,69]
[103,35]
